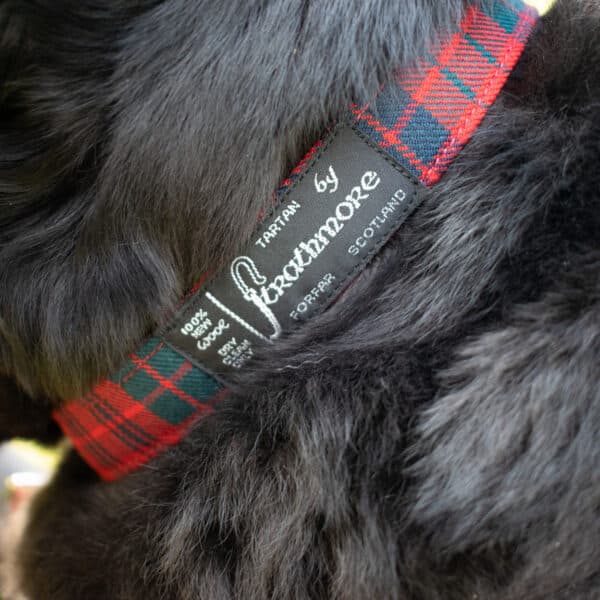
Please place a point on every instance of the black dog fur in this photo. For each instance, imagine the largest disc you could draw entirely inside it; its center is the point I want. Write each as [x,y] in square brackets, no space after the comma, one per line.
[432,436]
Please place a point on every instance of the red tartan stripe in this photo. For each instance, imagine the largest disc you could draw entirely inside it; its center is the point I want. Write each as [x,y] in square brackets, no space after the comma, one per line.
[130,409]
[169,436]
[488,90]
[117,433]
[169,385]
[93,452]
[123,458]
[433,87]
[130,459]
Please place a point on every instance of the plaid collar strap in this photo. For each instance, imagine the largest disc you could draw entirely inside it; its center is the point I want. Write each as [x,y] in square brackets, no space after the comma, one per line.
[412,133]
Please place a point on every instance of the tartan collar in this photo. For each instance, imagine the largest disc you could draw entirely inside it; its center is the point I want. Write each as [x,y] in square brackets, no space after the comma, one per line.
[422,122]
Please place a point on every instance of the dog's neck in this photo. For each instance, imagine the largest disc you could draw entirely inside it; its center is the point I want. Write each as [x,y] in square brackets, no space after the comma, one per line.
[411,134]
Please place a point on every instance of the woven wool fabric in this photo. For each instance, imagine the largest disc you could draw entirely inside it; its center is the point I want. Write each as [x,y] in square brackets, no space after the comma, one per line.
[422,122]
[426,119]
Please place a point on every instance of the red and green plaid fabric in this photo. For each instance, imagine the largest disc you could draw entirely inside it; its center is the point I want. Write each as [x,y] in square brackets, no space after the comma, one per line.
[423,122]
[426,119]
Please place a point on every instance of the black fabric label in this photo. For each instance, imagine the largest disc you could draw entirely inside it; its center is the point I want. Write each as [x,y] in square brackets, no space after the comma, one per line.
[329,224]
